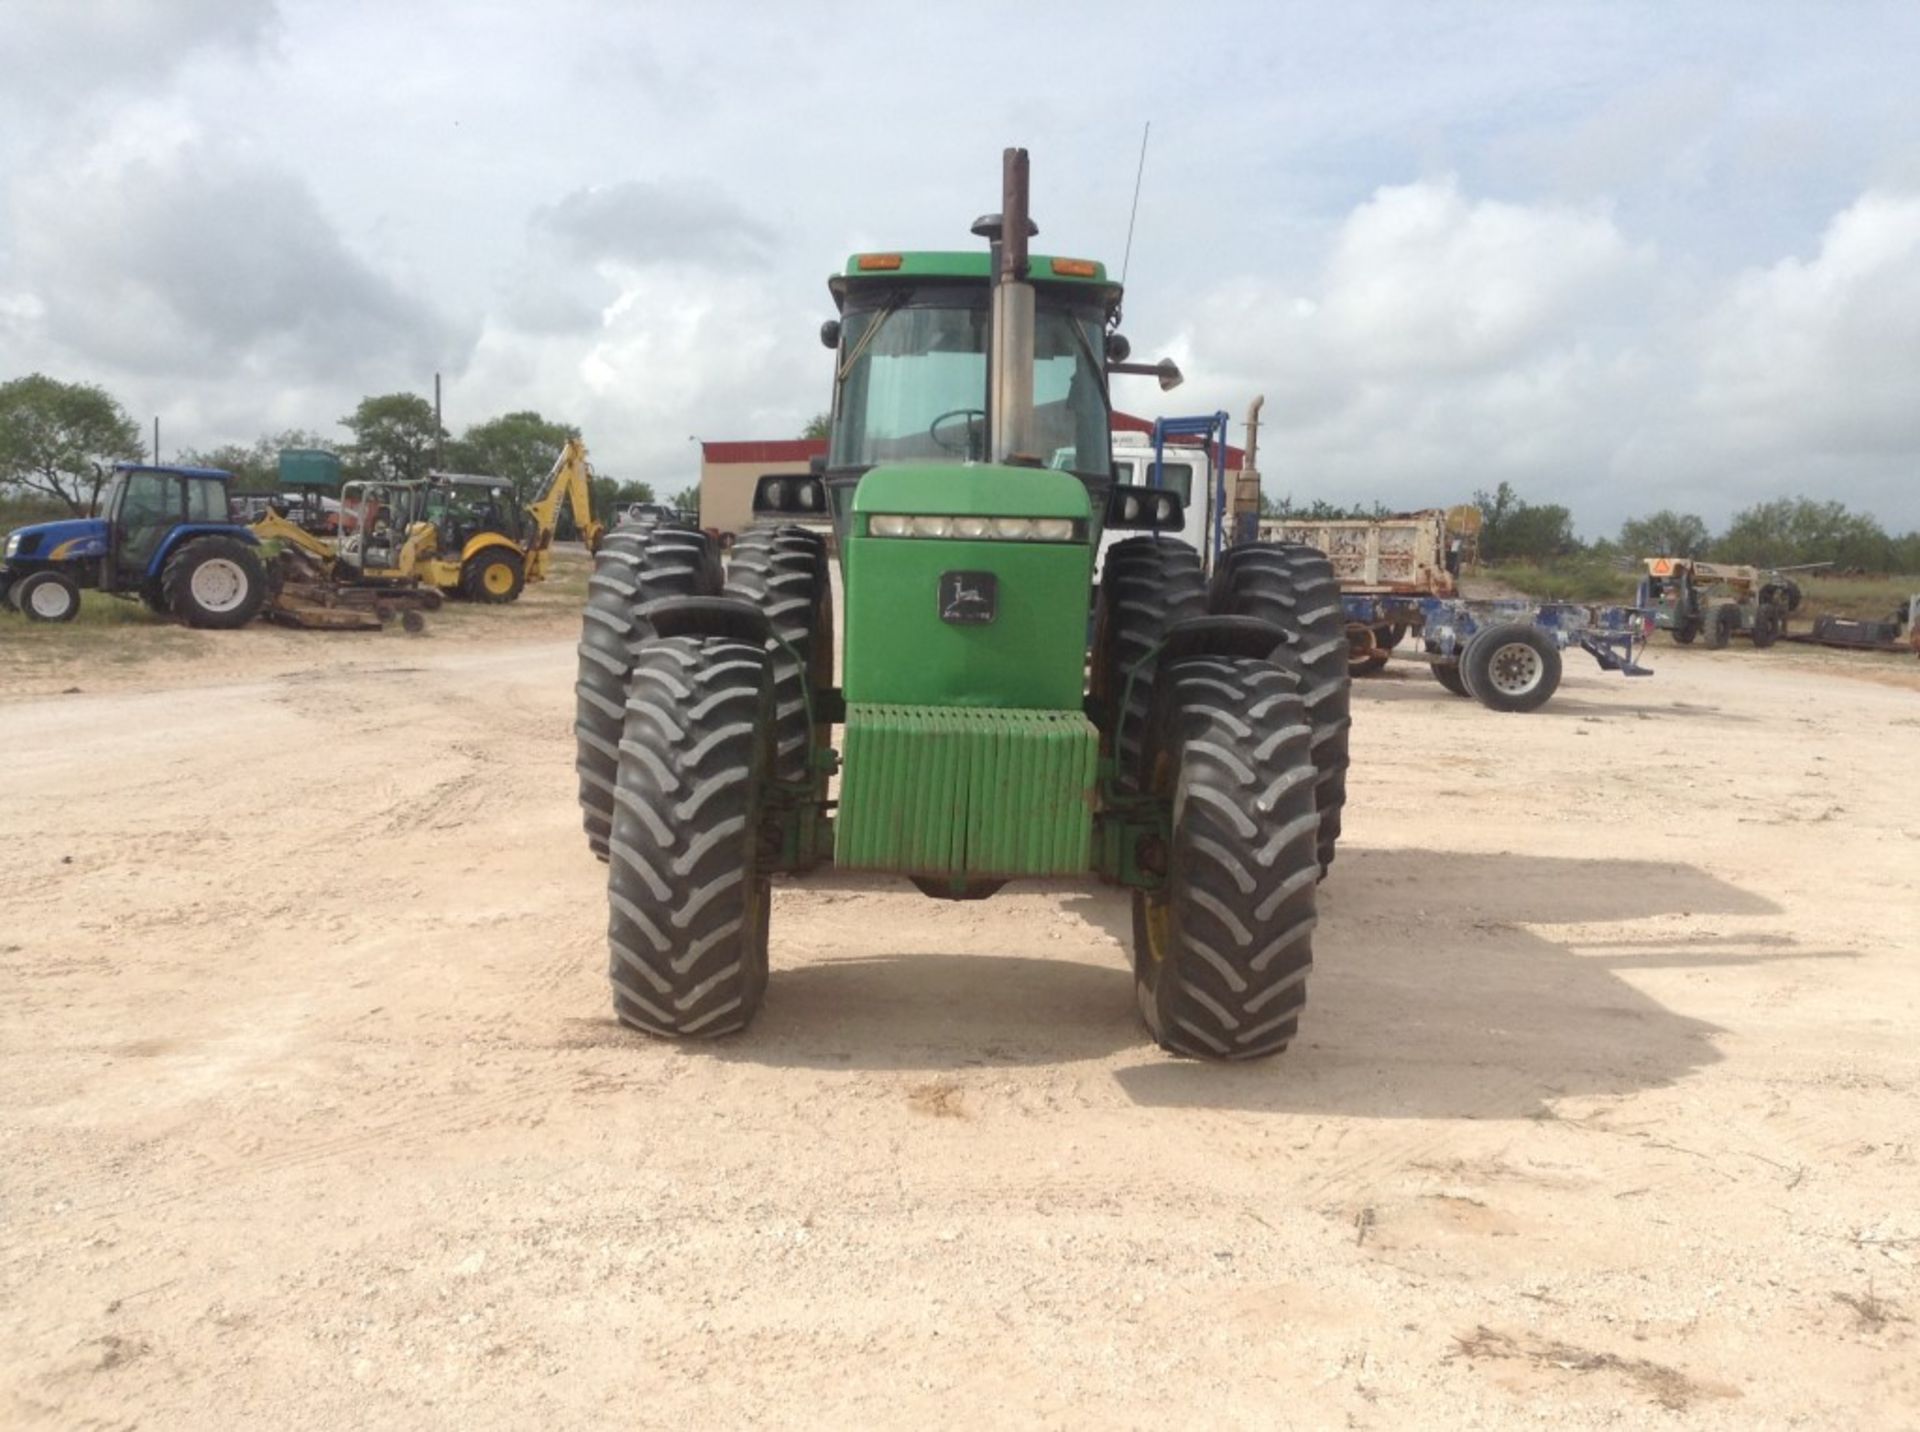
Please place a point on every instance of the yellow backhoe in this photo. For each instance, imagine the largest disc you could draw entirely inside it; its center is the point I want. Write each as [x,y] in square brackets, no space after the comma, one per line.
[453,533]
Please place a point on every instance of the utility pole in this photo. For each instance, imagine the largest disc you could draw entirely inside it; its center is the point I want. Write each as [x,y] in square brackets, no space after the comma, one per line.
[156,440]
[438,426]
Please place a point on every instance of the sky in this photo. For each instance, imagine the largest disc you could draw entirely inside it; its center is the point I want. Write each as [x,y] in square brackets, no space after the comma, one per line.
[1621,256]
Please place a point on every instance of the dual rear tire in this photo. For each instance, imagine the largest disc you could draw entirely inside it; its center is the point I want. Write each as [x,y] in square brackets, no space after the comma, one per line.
[685,743]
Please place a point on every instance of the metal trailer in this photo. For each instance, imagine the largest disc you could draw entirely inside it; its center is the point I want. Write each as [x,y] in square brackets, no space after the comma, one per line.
[1504,653]
[1849,634]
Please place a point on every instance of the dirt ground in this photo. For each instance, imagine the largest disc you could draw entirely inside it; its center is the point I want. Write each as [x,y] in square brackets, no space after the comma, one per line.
[1604,1109]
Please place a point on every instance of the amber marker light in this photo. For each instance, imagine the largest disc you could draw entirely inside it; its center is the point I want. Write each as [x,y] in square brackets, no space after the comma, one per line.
[1075,268]
[869,262]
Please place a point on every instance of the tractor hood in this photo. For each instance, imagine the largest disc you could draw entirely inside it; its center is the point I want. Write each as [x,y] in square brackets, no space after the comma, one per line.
[69,539]
[966,586]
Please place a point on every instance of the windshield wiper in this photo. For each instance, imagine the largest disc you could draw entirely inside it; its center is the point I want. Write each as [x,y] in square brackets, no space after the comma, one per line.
[887,310]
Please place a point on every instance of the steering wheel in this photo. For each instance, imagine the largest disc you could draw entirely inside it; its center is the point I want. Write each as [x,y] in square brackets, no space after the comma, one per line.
[966,444]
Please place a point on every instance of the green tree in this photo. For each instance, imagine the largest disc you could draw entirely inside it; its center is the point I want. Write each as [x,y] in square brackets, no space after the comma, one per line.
[256,466]
[687,499]
[520,447]
[1665,534]
[1513,528]
[818,426]
[1792,530]
[393,437]
[62,439]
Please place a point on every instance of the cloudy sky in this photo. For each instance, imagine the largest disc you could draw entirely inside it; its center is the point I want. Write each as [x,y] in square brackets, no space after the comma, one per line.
[1620,255]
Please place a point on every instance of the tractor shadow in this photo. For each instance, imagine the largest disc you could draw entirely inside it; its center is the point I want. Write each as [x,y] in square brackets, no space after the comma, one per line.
[940,1011]
[1429,998]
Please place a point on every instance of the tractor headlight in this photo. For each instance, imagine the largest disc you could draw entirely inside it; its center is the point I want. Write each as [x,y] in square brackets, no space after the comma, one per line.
[977,529]
[13,544]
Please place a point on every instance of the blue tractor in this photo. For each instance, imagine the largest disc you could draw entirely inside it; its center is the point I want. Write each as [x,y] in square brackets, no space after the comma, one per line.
[163,535]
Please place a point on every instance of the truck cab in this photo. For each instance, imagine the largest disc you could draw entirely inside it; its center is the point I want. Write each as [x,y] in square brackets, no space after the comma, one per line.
[162,534]
[1182,471]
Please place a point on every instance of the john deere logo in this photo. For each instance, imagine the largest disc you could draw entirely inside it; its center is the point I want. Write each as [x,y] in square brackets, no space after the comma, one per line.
[969,598]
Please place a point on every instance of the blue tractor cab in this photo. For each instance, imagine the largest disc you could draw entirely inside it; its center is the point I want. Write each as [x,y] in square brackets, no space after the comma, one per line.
[160,534]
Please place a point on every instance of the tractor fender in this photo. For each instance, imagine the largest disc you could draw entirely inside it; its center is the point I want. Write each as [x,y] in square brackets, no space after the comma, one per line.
[481,541]
[186,532]
[1252,637]
[732,617]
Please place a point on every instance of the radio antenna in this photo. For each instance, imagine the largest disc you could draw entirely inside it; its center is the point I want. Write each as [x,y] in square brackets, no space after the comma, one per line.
[1127,257]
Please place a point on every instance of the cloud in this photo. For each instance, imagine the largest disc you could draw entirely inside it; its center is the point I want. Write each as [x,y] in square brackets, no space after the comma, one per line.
[192,260]
[1443,343]
[583,250]
[1820,354]
[640,222]
[674,353]
[59,51]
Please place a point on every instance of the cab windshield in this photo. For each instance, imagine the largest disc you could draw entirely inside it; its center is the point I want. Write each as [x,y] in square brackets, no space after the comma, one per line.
[913,382]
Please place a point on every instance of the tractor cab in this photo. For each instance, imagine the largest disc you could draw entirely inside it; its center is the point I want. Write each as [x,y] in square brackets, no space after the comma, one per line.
[462,506]
[375,520]
[912,369]
[143,506]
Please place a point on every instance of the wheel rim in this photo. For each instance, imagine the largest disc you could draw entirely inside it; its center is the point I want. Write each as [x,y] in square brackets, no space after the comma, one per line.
[1516,669]
[497,578]
[218,585]
[49,601]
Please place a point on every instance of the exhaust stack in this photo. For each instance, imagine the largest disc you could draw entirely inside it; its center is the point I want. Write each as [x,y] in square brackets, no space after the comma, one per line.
[1010,356]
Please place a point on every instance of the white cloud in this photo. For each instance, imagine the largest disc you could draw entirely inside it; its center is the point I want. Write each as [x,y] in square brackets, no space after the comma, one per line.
[180,257]
[1820,355]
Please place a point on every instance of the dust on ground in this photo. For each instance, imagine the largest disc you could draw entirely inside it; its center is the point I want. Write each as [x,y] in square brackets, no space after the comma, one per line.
[1603,1110]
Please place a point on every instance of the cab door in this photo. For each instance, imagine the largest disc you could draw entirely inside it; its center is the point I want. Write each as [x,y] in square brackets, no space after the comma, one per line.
[150,505]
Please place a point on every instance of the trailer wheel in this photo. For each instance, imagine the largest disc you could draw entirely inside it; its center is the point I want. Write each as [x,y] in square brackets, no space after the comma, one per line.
[1295,588]
[1221,951]
[1365,654]
[217,583]
[1447,673]
[1512,667]
[783,571]
[46,596]
[1768,623]
[1721,626]
[670,563]
[1146,584]
[688,905]
[1687,631]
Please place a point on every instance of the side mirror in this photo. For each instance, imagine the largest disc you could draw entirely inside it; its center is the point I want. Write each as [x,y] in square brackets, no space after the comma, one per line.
[830,333]
[1166,370]
[1144,509]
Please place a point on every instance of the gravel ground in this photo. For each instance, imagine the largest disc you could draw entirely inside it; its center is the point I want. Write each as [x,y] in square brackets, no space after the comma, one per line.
[1604,1109]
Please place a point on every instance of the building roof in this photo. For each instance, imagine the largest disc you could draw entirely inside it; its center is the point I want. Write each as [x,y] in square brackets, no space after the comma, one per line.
[772,450]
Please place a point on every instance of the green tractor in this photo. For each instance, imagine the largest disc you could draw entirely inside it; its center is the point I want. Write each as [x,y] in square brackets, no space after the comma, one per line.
[1179,729]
